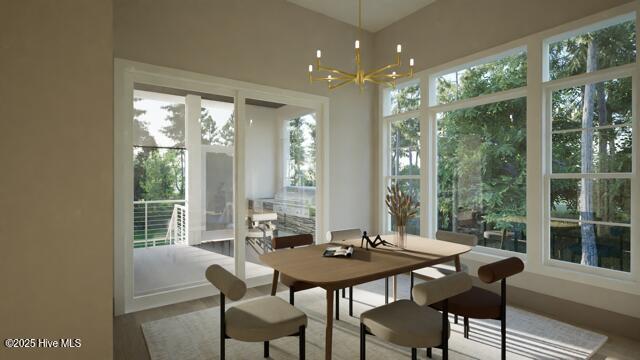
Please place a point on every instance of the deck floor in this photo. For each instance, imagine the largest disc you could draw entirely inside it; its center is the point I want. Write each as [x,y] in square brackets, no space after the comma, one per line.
[170,267]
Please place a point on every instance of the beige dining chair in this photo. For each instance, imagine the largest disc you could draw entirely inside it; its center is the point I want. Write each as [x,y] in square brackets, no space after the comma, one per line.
[336,236]
[413,323]
[257,320]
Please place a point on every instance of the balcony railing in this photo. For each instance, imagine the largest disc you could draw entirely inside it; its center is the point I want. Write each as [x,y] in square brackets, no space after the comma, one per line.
[152,221]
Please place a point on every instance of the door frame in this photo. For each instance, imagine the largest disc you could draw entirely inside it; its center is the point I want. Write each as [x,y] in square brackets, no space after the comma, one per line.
[126,74]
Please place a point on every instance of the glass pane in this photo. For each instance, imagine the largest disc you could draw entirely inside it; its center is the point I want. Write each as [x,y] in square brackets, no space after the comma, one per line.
[219,195]
[405,147]
[610,151]
[593,245]
[607,200]
[411,187]
[280,178]
[610,104]
[402,99]
[482,173]
[158,119]
[509,72]
[608,47]
[217,123]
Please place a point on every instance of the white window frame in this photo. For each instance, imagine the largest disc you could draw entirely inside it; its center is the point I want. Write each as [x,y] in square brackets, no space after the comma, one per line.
[536,257]
[548,87]
[434,109]
[386,176]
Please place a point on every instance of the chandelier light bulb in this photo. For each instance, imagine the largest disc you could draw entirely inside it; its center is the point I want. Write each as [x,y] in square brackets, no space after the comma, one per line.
[357,44]
[329,78]
[399,48]
[411,62]
[318,54]
[310,68]
[393,74]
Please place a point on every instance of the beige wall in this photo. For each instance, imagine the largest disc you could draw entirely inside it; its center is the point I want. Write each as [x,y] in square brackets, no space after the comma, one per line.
[450,29]
[56,197]
[271,43]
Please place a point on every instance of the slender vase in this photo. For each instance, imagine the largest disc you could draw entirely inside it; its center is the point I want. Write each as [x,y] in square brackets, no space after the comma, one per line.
[401,236]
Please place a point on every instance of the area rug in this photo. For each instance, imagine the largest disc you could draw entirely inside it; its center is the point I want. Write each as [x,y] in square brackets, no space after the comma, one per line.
[196,336]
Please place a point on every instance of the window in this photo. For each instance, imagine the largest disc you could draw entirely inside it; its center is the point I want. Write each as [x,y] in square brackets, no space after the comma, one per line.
[494,135]
[403,147]
[590,181]
[301,156]
[402,99]
[482,152]
[509,71]
[608,44]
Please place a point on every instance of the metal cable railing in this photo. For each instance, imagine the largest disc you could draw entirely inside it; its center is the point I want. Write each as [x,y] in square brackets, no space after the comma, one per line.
[152,220]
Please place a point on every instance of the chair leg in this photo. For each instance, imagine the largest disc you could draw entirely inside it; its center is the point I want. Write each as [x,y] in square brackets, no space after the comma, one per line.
[302,342]
[350,300]
[222,351]
[344,293]
[503,324]
[362,342]
[466,327]
[266,349]
[337,304]
[429,354]
[455,319]
[503,316]
[411,286]
[414,354]
[291,296]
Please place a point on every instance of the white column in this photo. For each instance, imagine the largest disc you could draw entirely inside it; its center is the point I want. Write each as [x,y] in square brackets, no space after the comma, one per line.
[537,139]
[239,198]
[194,169]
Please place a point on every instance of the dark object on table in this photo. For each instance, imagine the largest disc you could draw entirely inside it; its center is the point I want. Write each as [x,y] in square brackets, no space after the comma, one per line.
[375,243]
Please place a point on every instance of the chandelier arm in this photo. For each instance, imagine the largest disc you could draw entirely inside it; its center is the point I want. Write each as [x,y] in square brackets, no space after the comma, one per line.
[330,78]
[384,68]
[335,71]
[382,82]
[331,87]
[391,76]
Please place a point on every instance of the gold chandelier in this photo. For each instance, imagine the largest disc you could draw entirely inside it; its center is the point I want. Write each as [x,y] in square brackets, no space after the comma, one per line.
[336,78]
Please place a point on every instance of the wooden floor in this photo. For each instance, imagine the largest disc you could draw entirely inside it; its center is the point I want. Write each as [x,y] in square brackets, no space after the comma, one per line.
[129,342]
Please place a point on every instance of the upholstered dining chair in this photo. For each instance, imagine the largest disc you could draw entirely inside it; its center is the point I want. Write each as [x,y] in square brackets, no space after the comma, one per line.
[336,236]
[290,242]
[415,324]
[478,303]
[258,320]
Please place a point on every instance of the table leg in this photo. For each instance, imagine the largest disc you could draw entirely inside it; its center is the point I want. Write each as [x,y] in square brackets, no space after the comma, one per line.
[395,287]
[329,329]
[274,282]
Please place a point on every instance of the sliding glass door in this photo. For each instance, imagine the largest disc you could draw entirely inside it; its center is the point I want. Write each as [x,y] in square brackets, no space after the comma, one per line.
[280,176]
[183,210]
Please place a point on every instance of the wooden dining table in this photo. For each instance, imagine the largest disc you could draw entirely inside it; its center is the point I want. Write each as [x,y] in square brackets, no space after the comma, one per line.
[333,273]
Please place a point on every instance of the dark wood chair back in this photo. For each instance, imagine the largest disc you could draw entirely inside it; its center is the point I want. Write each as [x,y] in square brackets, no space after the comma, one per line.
[291,241]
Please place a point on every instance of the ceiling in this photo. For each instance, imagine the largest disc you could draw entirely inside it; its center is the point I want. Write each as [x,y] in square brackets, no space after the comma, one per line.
[376,14]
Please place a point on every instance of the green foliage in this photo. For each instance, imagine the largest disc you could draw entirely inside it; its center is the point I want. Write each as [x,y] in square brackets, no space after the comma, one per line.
[159,174]
[302,158]
[506,73]
[616,46]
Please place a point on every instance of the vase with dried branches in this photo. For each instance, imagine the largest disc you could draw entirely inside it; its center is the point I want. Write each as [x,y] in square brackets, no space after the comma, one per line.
[403,208]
